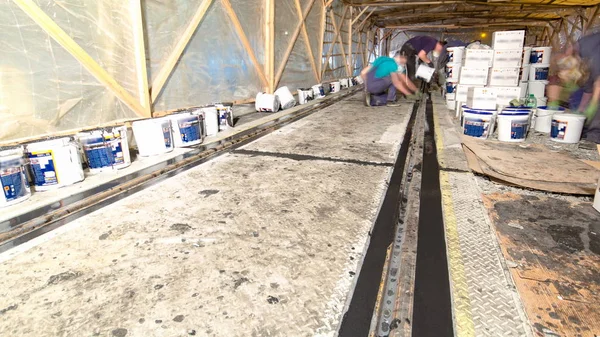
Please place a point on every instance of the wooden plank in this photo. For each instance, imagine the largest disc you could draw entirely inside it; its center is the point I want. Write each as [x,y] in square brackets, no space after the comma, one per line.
[293,40]
[592,18]
[350,56]
[140,56]
[166,70]
[359,15]
[338,37]
[62,38]
[307,40]
[244,40]
[321,41]
[270,44]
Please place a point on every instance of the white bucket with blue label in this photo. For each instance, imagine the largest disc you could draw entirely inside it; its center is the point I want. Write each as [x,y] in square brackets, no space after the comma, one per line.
[478,123]
[334,87]
[318,91]
[187,129]
[153,136]
[567,128]
[455,54]
[543,118]
[105,149]
[540,55]
[305,95]
[225,116]
[513,125]
[211,120]
[538,72]
[13,178]
[54,163]
[344,83]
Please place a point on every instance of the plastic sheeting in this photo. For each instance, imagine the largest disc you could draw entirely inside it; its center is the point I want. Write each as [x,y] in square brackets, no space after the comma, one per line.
[43,89]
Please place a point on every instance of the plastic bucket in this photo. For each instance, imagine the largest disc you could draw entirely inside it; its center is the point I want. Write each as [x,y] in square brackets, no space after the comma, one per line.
[478,123]
[225,116]
[567,128]
[543,118]
[286,99]
[318,91]
[538,72]
[513,125]
[538,88]
[305,95]
[105,149]
[542,101]
[351,82]
[452,71]
[450,104]
[211,120]
[264,103]
[540,55]
[526,55]
[153,136]
[344,83]
[455,54]
[13,179]
[54,163]
[524,73]
[358,80]
[334,87]
[425,72]
[187,129]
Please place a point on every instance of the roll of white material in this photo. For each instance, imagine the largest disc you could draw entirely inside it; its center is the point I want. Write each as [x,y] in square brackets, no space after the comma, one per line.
[266,102]
[286,99]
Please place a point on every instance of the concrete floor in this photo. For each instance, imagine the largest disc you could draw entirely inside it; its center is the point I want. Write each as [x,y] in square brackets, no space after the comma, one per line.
[265,241]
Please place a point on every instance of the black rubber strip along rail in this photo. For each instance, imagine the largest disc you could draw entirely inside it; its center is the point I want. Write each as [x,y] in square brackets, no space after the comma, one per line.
[25,227]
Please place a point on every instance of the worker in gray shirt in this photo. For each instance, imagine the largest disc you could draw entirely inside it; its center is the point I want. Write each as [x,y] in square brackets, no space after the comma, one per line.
[420,46]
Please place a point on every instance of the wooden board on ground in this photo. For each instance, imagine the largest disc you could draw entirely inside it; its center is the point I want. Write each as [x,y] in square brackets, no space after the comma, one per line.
[553,249]
[532,166]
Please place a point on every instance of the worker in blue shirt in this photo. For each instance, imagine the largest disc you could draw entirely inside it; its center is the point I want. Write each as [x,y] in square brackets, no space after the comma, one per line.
[383,77]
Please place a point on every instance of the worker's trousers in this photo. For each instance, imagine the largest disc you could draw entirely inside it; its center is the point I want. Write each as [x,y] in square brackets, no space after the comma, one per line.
[382,90]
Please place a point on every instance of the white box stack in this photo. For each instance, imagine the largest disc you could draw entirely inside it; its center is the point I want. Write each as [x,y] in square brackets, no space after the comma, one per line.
[482,98]
[508,77]
[509,69]
[512,39]
[478,58]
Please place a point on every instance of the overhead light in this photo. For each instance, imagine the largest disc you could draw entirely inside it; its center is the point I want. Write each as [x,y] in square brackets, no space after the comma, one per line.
[483,35]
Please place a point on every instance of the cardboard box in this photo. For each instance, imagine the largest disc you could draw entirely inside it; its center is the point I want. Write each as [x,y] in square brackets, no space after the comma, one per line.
[482,98]
[507,94]
[505,77]
[507,58]
[474,76]
[478,58]
[506,40]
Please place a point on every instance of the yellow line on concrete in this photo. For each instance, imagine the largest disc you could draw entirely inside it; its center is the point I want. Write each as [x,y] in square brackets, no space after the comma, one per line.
[463,319]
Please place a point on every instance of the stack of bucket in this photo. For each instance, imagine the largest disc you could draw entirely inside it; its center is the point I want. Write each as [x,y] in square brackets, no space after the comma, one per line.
[455,55]
[539,66]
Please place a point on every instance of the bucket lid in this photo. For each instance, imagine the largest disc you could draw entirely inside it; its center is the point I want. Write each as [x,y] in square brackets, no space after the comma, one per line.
[569,116]
[513,113]
[555,109]
[480,112]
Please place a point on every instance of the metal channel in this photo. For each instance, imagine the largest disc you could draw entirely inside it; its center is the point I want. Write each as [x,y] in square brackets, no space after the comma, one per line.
[25,227]
[357,319]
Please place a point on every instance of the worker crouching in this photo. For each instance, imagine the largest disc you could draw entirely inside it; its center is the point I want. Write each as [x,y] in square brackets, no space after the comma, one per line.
[384,77]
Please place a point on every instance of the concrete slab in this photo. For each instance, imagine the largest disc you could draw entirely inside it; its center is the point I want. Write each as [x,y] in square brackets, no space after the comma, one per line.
[244,245]
[343,131]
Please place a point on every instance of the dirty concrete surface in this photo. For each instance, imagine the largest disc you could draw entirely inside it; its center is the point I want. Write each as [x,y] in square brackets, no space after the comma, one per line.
[243,245]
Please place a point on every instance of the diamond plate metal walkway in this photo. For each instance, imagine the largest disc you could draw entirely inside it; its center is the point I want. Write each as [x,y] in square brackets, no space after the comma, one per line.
[484,299]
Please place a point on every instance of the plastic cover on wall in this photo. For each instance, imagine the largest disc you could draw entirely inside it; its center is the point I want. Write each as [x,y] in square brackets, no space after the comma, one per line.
[43,88]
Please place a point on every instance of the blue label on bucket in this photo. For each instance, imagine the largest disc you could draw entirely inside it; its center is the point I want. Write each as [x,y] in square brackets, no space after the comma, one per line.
[117,152]
[558,129]
[42,166]
[541,74]
[450,87]
[321,90]
[189,129]
[167,136]
[476,127]
[12,181]
[518,130]
[99,155]
[536,56]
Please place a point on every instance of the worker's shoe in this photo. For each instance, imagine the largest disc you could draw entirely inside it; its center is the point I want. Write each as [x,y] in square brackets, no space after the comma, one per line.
[366,98]
[392,104]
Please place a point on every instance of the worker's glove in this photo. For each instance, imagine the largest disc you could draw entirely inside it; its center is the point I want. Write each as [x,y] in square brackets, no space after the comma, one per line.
[430,64]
